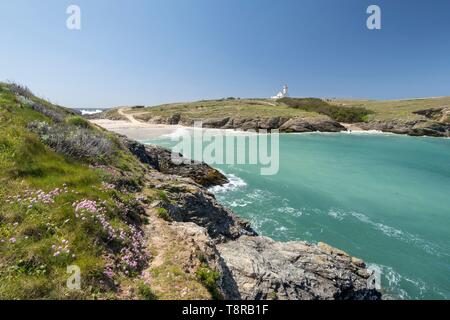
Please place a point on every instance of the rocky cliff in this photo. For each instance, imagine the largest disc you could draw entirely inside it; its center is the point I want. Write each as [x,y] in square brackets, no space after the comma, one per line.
[284,124]
[160,159]
[435,122]
[249,266]
[412,128]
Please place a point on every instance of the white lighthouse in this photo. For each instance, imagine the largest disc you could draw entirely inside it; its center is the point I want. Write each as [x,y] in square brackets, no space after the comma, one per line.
[283,93]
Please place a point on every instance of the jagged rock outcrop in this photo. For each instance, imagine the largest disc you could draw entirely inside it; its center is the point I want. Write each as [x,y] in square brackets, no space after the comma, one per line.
[216,122]
[441,114]
[412,128]
[265,269]
[284,124]
[272,123]
[312,124]
[188,202]
[435,122]
[257,123]
[160,159]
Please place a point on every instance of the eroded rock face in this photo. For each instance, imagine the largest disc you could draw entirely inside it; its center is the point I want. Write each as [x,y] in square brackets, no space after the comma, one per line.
[264,269]
[192,203]
[312,125]
[138,150]
[160,159]
[215,123]
[272,123]
[412,128]
[441,114]
[445,116]
[284,124]
[200,172]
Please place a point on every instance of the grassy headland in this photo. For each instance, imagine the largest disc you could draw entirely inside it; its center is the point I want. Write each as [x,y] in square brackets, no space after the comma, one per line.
[342,110]
[428,116]
[62,203]
[221,108]
[384,110]
[72,193]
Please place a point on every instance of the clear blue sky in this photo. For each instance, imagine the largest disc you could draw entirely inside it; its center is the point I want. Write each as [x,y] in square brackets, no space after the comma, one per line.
[154,51]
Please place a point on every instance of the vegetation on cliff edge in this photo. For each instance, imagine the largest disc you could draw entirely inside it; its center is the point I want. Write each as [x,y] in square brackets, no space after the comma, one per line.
[67,207]
[338,113]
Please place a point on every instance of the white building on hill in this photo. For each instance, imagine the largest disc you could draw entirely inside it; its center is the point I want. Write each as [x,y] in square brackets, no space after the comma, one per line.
[283,93]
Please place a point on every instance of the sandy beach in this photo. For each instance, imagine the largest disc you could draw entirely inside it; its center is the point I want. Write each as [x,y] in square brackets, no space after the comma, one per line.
[136,130]
[352,127]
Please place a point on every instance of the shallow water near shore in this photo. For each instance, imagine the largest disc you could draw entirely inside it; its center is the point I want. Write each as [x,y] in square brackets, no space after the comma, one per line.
[382,198]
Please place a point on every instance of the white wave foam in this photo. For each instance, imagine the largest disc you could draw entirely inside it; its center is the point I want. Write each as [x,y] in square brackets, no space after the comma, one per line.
[401,235]
[286,209]
[261,195]
[392,283]
[281,229]
[354,132]
[239,203]
[90,111]
[234,183]
[228,132]
[260,224]
[178,133]
[337,214]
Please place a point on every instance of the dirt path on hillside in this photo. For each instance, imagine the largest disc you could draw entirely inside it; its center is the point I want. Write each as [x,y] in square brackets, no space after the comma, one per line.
[174,248]
[128,116]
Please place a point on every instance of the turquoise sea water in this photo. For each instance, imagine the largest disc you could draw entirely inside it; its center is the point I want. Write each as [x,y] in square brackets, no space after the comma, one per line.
[382,198]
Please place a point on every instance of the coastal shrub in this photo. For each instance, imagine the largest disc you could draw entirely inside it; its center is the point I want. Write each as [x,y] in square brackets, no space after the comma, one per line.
[26,97]
[20,90]
[52,113]
[201,256]
[163,214]
[337,113]
[208,278]
[163,196]
[78,122]
[145,292]
[56,211]
[75,142]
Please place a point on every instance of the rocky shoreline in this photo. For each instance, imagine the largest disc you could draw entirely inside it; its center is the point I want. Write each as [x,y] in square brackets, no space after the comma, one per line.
[434,122]
[250,266]
[411,128]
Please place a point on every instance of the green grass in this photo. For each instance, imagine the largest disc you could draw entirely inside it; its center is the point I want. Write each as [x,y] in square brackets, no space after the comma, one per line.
[386,110]
[146,292]
[78,121]
[163,196]
[245,108]
[163,214]
[342,110]
[29,268]
[209,278]
[339,113]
